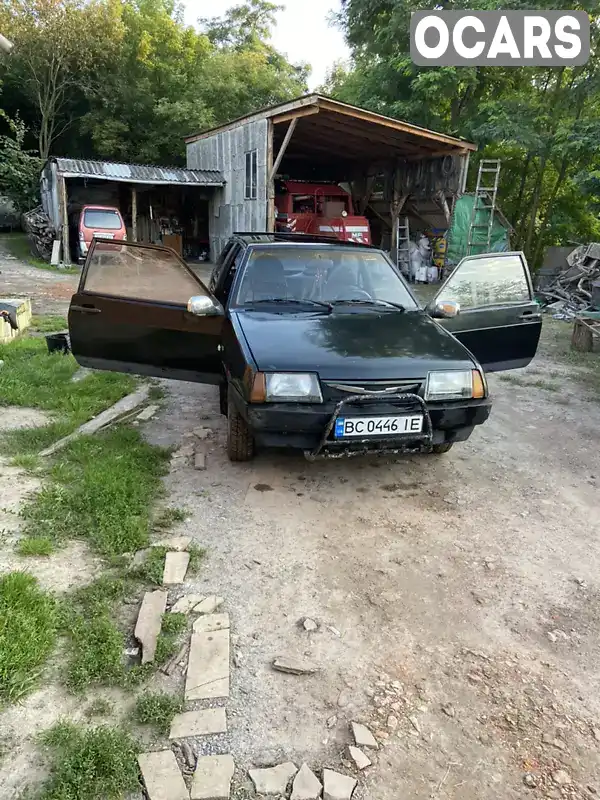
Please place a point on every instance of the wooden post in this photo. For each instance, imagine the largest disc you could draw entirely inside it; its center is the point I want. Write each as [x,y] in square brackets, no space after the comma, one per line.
[134,215]
[270,179]
[583,336]
[64,219]
[284,146]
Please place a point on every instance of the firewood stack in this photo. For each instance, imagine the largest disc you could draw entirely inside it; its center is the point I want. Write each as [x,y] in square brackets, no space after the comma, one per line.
[40,232]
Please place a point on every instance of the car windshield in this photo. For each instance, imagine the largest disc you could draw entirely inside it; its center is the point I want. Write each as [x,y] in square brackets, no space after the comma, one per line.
[101,218]
[322,274]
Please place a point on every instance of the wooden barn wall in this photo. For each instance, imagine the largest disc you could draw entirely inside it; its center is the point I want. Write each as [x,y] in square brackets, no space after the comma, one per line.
[230,211]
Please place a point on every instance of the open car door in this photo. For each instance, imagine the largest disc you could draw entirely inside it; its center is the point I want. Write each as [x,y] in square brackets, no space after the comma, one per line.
[499,321]
[132,313]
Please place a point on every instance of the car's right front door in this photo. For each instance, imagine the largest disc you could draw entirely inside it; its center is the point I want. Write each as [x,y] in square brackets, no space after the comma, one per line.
[499,320]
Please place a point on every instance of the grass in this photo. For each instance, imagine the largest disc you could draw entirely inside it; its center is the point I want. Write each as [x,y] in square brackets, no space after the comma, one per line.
[151,570]
[172,627]
[99,708]
[157,709]
[17,245]
[91,763]
[197,555]
[167,518]
[28,630]
[35,546]
[96,643]
[101,490]
[48,323]
[34,378]
[556,342]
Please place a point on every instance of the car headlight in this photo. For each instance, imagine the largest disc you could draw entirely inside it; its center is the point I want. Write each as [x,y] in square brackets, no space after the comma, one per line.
[454,385]
[293,387]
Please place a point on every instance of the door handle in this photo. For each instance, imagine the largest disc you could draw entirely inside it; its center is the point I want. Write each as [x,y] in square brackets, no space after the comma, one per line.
[86,309]
[530,315]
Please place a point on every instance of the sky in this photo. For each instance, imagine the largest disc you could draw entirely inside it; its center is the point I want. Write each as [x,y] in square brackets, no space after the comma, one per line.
[302,31]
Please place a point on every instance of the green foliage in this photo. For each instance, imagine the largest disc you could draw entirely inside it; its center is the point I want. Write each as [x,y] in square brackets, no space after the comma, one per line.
[172,627]
[542,122]
[99,708]
[28,626]
[19,168]
[35,546]
[169,516]
[152,568]
[96,763]
[157,709]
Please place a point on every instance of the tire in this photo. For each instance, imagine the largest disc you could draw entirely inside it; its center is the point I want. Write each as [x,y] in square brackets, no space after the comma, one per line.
[240,442]
[223,399]
[440,449]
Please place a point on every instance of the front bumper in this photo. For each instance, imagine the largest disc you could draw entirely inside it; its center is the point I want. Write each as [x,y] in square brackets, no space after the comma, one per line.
[309,427]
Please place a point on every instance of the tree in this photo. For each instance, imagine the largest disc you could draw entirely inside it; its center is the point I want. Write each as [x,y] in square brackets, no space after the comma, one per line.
[19,169]
[541,122]
[59,47]
[243,26]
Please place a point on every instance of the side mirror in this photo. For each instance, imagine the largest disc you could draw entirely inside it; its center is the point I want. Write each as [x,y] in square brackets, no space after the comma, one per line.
[204,306]
[446,309]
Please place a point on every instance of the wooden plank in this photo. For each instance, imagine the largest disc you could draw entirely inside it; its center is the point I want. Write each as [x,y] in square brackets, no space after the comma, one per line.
[112,414]
[270,179]
[64,220]
[304,112]
[134,214]
[283,148]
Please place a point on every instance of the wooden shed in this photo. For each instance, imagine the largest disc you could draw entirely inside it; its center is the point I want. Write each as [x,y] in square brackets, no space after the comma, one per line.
[391,167]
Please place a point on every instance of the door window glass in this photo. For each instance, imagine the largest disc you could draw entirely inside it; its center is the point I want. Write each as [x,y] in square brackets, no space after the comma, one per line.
[489,281]
[139,273]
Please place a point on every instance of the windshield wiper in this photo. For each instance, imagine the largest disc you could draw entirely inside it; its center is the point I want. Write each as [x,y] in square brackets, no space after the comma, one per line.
[384,303]
[291,301]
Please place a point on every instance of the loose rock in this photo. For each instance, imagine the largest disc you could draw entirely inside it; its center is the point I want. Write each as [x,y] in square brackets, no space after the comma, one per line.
[185,604]
[310,625]
[177,543]
[448,710]
[200,461]
[209,605]
[332,721]
[360,759]
[306,785]
[147,627]
[147,413]
[337,786]
[273,781]
[212,778]
[294,666]
[176,565]
[561,777]
[392,722]
[530,780]
[162,778]
[363,736]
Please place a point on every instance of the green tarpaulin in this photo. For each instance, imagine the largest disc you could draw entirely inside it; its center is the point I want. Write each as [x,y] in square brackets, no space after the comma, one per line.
[458,234]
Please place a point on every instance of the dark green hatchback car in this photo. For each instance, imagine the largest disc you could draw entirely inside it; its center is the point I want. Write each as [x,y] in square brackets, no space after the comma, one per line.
[315,344]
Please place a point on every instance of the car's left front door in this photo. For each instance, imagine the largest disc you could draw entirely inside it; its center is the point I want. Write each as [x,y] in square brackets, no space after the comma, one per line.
[130,314]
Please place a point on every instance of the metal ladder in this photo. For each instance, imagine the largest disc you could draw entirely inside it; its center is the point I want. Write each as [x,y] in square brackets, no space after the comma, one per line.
[485,200]
[403,246]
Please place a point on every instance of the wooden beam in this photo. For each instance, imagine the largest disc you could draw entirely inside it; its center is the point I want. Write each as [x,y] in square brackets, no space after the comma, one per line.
[303,112]
[381,217]
[64,219]
[270,179]
[283,148]
[443,204]
[369,116]
[134,215]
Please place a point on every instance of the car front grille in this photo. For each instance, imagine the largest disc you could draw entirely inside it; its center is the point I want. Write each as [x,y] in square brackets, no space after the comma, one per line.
[341,390]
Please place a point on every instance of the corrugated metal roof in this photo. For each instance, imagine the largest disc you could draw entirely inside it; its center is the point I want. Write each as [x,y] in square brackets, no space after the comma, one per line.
[137,173]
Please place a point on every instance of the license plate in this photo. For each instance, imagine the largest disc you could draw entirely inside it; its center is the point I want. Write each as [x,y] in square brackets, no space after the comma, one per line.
[101,235]
[377,426]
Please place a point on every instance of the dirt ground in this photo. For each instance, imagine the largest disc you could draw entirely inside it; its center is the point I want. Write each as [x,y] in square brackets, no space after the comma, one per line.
[457,598]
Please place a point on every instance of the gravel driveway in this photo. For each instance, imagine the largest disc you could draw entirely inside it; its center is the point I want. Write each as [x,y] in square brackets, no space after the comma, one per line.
[457,597]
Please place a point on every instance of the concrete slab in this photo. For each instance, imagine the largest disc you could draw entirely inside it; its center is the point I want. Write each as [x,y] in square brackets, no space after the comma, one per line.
[199,723]
[19,309]
[208,666]
[212,778]
[274,780]
[162,778]
[337,786]
[306,785]
[212,622]
[147,627]
[176,565]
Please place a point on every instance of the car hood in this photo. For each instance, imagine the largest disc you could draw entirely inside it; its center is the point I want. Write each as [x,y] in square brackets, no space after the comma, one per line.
[354,346]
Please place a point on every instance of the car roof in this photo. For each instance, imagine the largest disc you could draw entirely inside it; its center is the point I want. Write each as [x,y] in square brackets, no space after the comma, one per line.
[259,237]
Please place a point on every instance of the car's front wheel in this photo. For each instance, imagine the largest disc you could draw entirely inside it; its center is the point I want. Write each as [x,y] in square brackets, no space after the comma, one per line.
[240,442]
[440,449]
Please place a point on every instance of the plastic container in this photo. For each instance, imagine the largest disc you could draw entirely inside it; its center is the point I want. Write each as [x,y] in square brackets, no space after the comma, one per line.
[58,343]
